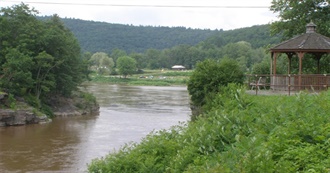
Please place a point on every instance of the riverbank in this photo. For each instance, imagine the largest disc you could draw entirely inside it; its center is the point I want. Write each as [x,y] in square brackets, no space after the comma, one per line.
[16,111]
[127,114]
[147,78]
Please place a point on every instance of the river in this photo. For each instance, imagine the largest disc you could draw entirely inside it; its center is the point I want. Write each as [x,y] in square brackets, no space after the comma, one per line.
[127,113]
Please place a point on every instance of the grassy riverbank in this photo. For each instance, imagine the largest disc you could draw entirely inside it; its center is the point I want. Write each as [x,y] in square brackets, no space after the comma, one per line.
[238,133]
[147,78]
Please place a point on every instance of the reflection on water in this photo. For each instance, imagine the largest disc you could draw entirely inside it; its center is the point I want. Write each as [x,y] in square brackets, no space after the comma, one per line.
[127,114]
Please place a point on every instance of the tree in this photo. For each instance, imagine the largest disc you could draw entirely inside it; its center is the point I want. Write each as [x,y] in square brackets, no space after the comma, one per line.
[140,60]
[16,73]
[38,57]
[240,51]
[209,75]
[116,53]
[294,15]
[63,46]
[153,57]
[126,65]
[101,63]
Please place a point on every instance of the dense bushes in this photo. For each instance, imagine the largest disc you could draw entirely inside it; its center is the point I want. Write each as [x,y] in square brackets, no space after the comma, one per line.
[207,79]
[240,133]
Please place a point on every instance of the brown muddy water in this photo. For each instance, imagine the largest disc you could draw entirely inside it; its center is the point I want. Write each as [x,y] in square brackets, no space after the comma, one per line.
[127,113]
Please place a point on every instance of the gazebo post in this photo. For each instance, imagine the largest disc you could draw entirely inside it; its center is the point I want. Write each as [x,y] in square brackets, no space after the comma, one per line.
[301,56]
[290,60]
[318,58]
[274,57]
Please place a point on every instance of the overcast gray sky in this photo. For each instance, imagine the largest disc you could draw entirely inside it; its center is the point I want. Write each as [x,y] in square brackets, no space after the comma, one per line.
[203,14]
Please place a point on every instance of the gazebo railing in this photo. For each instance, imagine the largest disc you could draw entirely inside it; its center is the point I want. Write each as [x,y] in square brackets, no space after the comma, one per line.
[289,82]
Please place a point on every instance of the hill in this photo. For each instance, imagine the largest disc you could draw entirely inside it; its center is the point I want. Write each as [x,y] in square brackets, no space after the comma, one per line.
[104,37]
[257,36]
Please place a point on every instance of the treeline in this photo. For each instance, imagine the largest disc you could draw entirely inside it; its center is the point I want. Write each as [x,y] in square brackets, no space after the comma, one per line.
[38,59]
[188,56]
[105,37]
[163,47]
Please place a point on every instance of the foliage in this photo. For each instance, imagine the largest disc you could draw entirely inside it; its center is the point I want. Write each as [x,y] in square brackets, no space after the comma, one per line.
[240,133]
[101,63]
[257,36]
[209,75]
[163,47]
[11,101]
[41,58]
[294,15]
[107,36]
[126,65]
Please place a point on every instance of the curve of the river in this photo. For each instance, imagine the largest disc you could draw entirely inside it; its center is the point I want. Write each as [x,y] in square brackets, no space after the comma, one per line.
[127,113]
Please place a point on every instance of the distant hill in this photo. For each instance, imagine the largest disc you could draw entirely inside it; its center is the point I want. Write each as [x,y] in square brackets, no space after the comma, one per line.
[257,36]
[104,37]
[101,36]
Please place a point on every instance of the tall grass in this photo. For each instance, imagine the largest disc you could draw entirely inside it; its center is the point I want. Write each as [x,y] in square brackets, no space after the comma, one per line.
[238,133]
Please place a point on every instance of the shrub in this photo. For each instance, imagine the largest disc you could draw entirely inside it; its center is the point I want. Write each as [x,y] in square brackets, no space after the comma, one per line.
[209,76]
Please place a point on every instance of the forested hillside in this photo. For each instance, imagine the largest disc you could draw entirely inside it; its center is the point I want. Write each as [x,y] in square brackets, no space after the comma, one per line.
[257,36]
[105,37]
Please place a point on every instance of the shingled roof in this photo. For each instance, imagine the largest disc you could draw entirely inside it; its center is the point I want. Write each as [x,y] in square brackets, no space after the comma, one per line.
[308,42]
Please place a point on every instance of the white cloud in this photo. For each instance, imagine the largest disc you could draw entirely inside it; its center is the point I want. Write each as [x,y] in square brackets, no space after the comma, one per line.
[112,11]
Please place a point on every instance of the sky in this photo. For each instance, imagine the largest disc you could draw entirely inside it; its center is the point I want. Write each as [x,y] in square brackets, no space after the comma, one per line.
[201,14]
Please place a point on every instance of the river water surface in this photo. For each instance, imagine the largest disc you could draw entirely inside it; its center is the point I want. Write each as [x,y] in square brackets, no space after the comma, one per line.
[127,113]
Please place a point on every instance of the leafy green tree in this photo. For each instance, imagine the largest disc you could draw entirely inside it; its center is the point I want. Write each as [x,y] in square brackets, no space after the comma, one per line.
[16,75]
[209,75]
[38,57]
[85,65]
[63,46]
[116,53]
[294,15]
[153,57]
[140,60]
[126,65]
[240,51]
[44,79]
[101,63]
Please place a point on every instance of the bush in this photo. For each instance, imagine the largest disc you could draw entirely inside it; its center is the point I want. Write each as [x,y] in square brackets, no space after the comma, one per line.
[209,76]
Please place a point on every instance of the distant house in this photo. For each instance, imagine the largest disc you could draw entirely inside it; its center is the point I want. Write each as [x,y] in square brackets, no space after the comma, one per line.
[178,67]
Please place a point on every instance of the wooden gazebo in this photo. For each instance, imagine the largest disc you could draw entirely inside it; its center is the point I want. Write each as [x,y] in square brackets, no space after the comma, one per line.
[307,43]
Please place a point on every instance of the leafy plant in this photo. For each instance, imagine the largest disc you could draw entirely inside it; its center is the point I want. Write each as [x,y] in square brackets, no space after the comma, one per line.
[238,133]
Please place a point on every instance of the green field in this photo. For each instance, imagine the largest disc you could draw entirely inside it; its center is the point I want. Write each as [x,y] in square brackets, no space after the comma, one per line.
[147,78]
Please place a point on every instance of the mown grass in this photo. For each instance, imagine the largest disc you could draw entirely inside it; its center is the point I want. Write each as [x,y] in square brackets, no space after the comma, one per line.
[238,133]
[148,78]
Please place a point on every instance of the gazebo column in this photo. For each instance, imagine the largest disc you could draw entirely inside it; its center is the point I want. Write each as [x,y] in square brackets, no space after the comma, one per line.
[318,58]
[301,56]
[290,60]
[274,58]
[274,63]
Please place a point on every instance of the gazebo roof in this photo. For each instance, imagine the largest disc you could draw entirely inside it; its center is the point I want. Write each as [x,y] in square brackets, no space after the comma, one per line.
[309,42]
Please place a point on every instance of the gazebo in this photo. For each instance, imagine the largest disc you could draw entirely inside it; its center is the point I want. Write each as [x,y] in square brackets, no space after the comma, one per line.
[307,43]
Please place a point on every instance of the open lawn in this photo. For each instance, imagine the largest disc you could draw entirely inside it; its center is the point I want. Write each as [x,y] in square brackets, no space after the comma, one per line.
[148,77]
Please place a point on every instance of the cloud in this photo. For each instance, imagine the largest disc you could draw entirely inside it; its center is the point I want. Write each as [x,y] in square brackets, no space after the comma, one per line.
[145,12]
